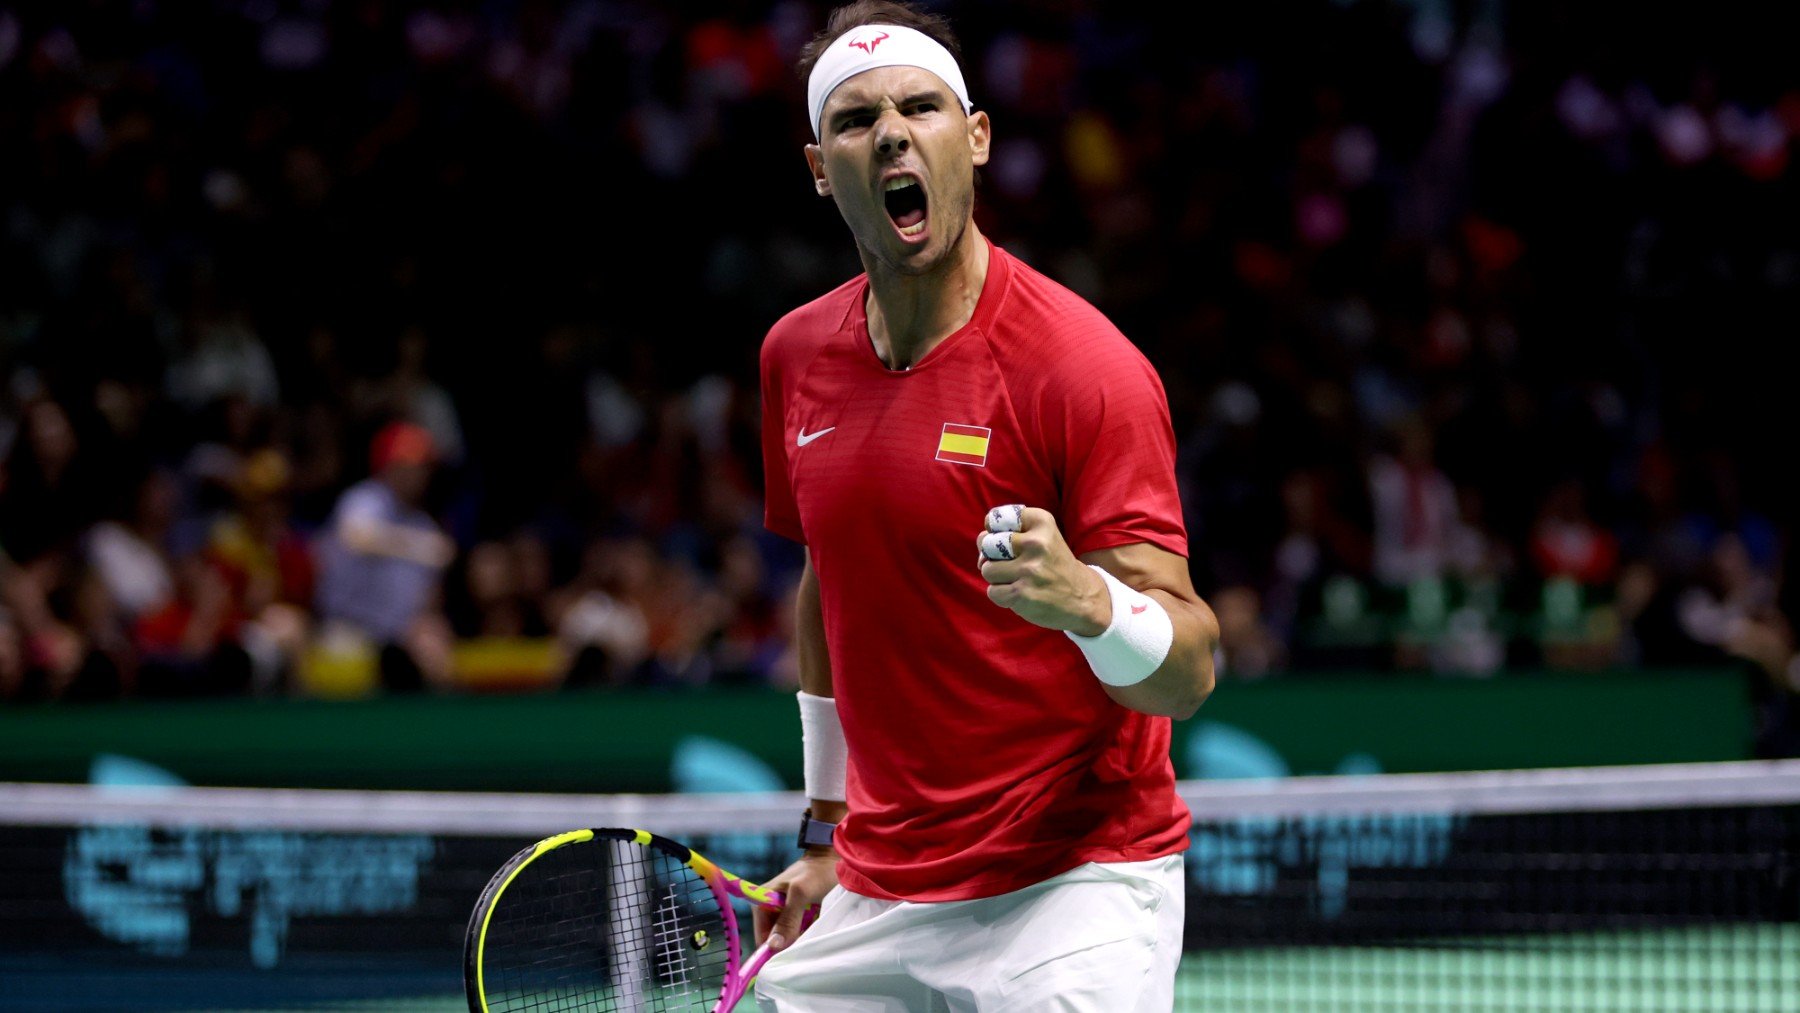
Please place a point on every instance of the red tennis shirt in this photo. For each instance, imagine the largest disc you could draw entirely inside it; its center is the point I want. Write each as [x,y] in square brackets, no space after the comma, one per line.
[984,755]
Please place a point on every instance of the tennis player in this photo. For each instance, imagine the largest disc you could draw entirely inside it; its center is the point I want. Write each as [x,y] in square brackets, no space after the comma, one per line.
[996,622]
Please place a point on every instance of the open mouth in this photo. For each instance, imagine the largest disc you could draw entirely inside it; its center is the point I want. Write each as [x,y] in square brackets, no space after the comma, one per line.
[906,204]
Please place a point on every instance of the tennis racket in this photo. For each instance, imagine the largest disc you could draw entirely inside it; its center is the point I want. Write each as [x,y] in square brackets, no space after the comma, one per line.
[604,920]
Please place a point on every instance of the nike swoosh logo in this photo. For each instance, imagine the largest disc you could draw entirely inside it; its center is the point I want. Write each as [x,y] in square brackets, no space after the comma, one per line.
[805,437]
[1138,610]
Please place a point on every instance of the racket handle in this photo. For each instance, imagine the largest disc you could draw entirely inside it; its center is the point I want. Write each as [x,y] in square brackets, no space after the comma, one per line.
[738,984]
[754,965]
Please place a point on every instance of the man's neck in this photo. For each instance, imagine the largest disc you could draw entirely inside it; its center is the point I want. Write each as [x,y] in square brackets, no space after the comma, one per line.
[909,315]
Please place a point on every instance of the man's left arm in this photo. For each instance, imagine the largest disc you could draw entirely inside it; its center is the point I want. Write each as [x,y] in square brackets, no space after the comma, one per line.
[1046,584]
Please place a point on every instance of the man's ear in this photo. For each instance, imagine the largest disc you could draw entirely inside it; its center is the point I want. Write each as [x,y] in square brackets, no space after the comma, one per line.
[815,160]
[979,136]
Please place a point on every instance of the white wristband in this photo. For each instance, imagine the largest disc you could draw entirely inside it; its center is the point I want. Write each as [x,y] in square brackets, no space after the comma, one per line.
[1136,643]
[822,741]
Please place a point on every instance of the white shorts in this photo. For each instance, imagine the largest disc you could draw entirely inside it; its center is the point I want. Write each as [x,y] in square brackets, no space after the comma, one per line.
[1100,938]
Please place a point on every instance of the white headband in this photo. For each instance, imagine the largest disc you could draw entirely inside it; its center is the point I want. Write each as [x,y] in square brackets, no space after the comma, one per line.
[872,46]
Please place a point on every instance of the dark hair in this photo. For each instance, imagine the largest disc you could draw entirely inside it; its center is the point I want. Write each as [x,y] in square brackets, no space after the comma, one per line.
[877,12]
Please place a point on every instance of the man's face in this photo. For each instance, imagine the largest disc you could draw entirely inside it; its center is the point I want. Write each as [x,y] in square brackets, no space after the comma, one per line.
[898,155]
[409,480]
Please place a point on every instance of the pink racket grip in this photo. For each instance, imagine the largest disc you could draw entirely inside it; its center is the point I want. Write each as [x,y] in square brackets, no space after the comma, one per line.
[737,985]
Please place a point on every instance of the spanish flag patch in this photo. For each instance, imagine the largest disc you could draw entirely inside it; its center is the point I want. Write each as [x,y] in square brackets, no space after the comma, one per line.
[964,444]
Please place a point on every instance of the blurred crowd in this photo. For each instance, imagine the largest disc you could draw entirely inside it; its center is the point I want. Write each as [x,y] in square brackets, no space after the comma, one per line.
[329,321]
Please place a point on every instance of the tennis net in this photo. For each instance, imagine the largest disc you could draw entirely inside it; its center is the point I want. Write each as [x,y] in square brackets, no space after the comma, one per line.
[1628,888]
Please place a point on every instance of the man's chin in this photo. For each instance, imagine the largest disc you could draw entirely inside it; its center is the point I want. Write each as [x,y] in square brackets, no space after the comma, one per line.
[913,259]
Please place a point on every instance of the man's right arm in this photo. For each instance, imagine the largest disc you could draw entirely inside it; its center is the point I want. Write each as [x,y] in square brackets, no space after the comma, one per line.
[808,880]
[372,536]
[363,529]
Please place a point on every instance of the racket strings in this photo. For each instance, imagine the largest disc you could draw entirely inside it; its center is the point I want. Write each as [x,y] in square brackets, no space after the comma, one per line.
[608,926]
[671,946]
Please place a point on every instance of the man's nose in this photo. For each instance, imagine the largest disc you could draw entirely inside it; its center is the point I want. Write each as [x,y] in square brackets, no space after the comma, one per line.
[891,137]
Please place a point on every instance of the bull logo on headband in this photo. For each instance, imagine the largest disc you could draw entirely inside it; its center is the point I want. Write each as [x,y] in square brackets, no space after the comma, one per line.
[868,45]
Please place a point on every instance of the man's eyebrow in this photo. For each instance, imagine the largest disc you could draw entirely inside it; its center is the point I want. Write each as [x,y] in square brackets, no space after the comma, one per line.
[923,95]
[870,105]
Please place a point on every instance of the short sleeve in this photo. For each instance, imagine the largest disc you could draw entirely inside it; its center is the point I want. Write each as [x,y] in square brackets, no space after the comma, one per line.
[1118,458]
[780,513]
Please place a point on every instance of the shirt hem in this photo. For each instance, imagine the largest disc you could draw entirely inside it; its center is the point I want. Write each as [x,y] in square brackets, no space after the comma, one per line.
[993,886]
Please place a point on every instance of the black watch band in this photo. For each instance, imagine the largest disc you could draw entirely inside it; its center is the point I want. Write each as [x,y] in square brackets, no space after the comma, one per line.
[815,833]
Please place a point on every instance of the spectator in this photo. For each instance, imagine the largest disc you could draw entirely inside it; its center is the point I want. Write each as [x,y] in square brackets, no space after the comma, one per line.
[1766,644]
[131,557]
[598,618]
[222,357]
[267,568]
[188,645]
[496,599]
[409,392]
[1318,543]
[12,658]
[1730,594]
[381,561]
[1247,648]
[230,429]
[49,490]
[1417,522]
[1567,543]
[50,653]
[749,644]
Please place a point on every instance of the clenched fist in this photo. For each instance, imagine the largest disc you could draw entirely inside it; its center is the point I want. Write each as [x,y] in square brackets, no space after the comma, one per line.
[1031,570]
